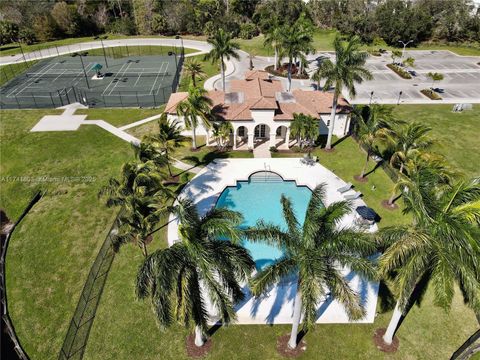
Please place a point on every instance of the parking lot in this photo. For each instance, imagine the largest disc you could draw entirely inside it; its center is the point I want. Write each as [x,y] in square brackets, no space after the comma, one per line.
[461,82]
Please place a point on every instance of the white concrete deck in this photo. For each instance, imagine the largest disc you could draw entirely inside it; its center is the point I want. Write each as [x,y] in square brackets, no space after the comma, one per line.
[277,306]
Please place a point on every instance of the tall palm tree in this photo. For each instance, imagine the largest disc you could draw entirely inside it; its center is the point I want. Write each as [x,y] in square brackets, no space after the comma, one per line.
[223,47]
[294,41]
[221,133]
[348,69]
[315,253]
[440,247]
[193,69]
[142,196]
[374,128]
[305,129]
[179,279]
[273,39]
[196,106]
[409,140]
[168,138]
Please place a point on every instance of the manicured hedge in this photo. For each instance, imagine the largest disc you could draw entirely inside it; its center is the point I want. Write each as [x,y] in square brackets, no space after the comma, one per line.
[399,71]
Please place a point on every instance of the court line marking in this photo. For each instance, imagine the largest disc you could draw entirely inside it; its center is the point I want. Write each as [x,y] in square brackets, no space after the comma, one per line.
[15,90]
[111,81]
[122,74]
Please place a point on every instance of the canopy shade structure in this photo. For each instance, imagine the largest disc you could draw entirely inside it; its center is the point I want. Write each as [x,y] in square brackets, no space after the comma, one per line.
[367,213]
[96,67]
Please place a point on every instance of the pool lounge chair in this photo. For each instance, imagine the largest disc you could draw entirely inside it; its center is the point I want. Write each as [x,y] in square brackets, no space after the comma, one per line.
[345,188]
[353,196]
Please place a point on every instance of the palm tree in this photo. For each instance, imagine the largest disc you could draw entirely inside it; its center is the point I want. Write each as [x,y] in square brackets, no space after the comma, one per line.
[315,253]
[168,138]
[349,68]
[142,196]
[305,129]
[223,47]
[196,106]
[295,40]
[440,247]
[273,39]
[374,128]
[395,55]
[435,77]
[409,140]
[175,277]
[193,69]
[221,133]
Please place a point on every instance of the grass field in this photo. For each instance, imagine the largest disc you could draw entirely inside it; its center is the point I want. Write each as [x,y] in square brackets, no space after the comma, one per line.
[207,66]
[457,133]
[118,116]
[50,254]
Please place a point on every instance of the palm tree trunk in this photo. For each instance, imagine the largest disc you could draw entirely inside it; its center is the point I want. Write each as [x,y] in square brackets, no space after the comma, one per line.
[168,162]
[276,59]
[144,249]
[401,168]
[392,326]
[289,73]
[364,170]
[392,198]
[297,312]
[199,336]
[193,80]
[332,121]
[194,138]
[222,66]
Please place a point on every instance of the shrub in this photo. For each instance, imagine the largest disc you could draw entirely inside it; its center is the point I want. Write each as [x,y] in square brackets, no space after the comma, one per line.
[248,30]
[399,71]
[273,149]
[8,32]
[431,94]
[27,36]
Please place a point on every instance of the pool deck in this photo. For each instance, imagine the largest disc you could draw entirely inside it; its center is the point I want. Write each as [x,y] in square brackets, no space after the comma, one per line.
[276,307]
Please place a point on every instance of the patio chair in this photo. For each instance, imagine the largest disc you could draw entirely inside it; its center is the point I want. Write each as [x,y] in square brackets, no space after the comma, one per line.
[353,196]
[345,188]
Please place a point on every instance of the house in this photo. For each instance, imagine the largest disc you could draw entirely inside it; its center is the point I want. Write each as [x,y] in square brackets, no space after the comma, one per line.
[260,110]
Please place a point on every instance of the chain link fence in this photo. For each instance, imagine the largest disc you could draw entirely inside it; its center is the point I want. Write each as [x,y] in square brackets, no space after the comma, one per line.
[79,329]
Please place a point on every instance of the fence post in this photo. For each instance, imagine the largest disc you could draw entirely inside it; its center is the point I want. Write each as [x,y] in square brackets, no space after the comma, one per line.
[51,98]
[121,102]
[127,50]
[60,97]
[136,95]
[34,100]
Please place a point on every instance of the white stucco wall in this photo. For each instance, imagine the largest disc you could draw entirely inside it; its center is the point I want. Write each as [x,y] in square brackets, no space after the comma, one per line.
[342,124]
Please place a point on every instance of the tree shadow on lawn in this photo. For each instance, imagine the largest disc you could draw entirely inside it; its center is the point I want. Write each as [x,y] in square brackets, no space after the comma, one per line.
[208,157]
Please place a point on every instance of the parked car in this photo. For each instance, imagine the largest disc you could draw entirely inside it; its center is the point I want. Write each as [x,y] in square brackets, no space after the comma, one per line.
[438,90]
[412,72]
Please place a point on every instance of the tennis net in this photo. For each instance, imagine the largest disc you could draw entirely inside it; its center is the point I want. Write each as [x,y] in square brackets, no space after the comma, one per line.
[80,74]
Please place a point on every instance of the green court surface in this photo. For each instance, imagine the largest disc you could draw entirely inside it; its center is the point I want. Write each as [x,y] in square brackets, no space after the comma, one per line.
[132,81]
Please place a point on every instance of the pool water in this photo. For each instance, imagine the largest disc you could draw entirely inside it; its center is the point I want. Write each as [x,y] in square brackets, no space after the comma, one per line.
[259,198]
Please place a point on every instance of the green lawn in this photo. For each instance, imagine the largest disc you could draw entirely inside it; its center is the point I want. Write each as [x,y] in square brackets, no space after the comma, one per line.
[50,254]
[457,133]
[205,154]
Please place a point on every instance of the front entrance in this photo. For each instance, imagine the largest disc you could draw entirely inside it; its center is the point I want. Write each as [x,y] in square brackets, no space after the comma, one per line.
[261,131]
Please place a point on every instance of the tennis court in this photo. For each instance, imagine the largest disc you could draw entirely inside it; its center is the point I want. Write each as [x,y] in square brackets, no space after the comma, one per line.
[145,81]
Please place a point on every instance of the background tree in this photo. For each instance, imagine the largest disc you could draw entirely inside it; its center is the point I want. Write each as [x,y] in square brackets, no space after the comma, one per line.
[223,47]
[395,54]
[66,17]
[440,247]
[273,39]
[348,69]
[314,253]
[197,106]
[45,28]
[305,129]
[175,277]
[193,68]
[8,32]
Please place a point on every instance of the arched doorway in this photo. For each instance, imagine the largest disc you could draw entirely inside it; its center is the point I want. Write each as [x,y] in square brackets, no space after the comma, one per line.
[261,134]
[240,137]
[281,137]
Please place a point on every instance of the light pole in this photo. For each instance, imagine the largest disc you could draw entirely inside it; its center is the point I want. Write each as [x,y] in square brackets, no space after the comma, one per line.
[83,67]
[404,46]
[371,97]
[399,96]
[170,53]
[101,38]
[23,54]
[181,39]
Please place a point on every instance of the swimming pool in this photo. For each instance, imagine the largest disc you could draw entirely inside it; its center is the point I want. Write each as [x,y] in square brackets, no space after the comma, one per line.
[259,198]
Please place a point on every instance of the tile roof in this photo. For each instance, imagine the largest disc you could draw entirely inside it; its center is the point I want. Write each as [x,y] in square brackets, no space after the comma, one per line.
[261,93]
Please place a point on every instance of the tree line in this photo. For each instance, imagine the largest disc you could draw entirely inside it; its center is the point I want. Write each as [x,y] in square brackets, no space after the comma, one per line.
[390,20]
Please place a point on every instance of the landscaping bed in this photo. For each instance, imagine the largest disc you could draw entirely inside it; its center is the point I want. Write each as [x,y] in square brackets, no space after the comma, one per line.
[283,71]
[432,95]
[399,71]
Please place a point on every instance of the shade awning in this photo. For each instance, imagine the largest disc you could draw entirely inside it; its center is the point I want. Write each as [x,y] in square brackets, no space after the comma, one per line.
[96,67]
[367,213]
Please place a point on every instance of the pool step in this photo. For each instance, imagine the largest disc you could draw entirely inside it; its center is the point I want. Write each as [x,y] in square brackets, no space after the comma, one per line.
[265,176]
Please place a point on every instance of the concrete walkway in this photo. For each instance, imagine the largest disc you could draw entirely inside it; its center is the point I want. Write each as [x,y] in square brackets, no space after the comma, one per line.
[262,150]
